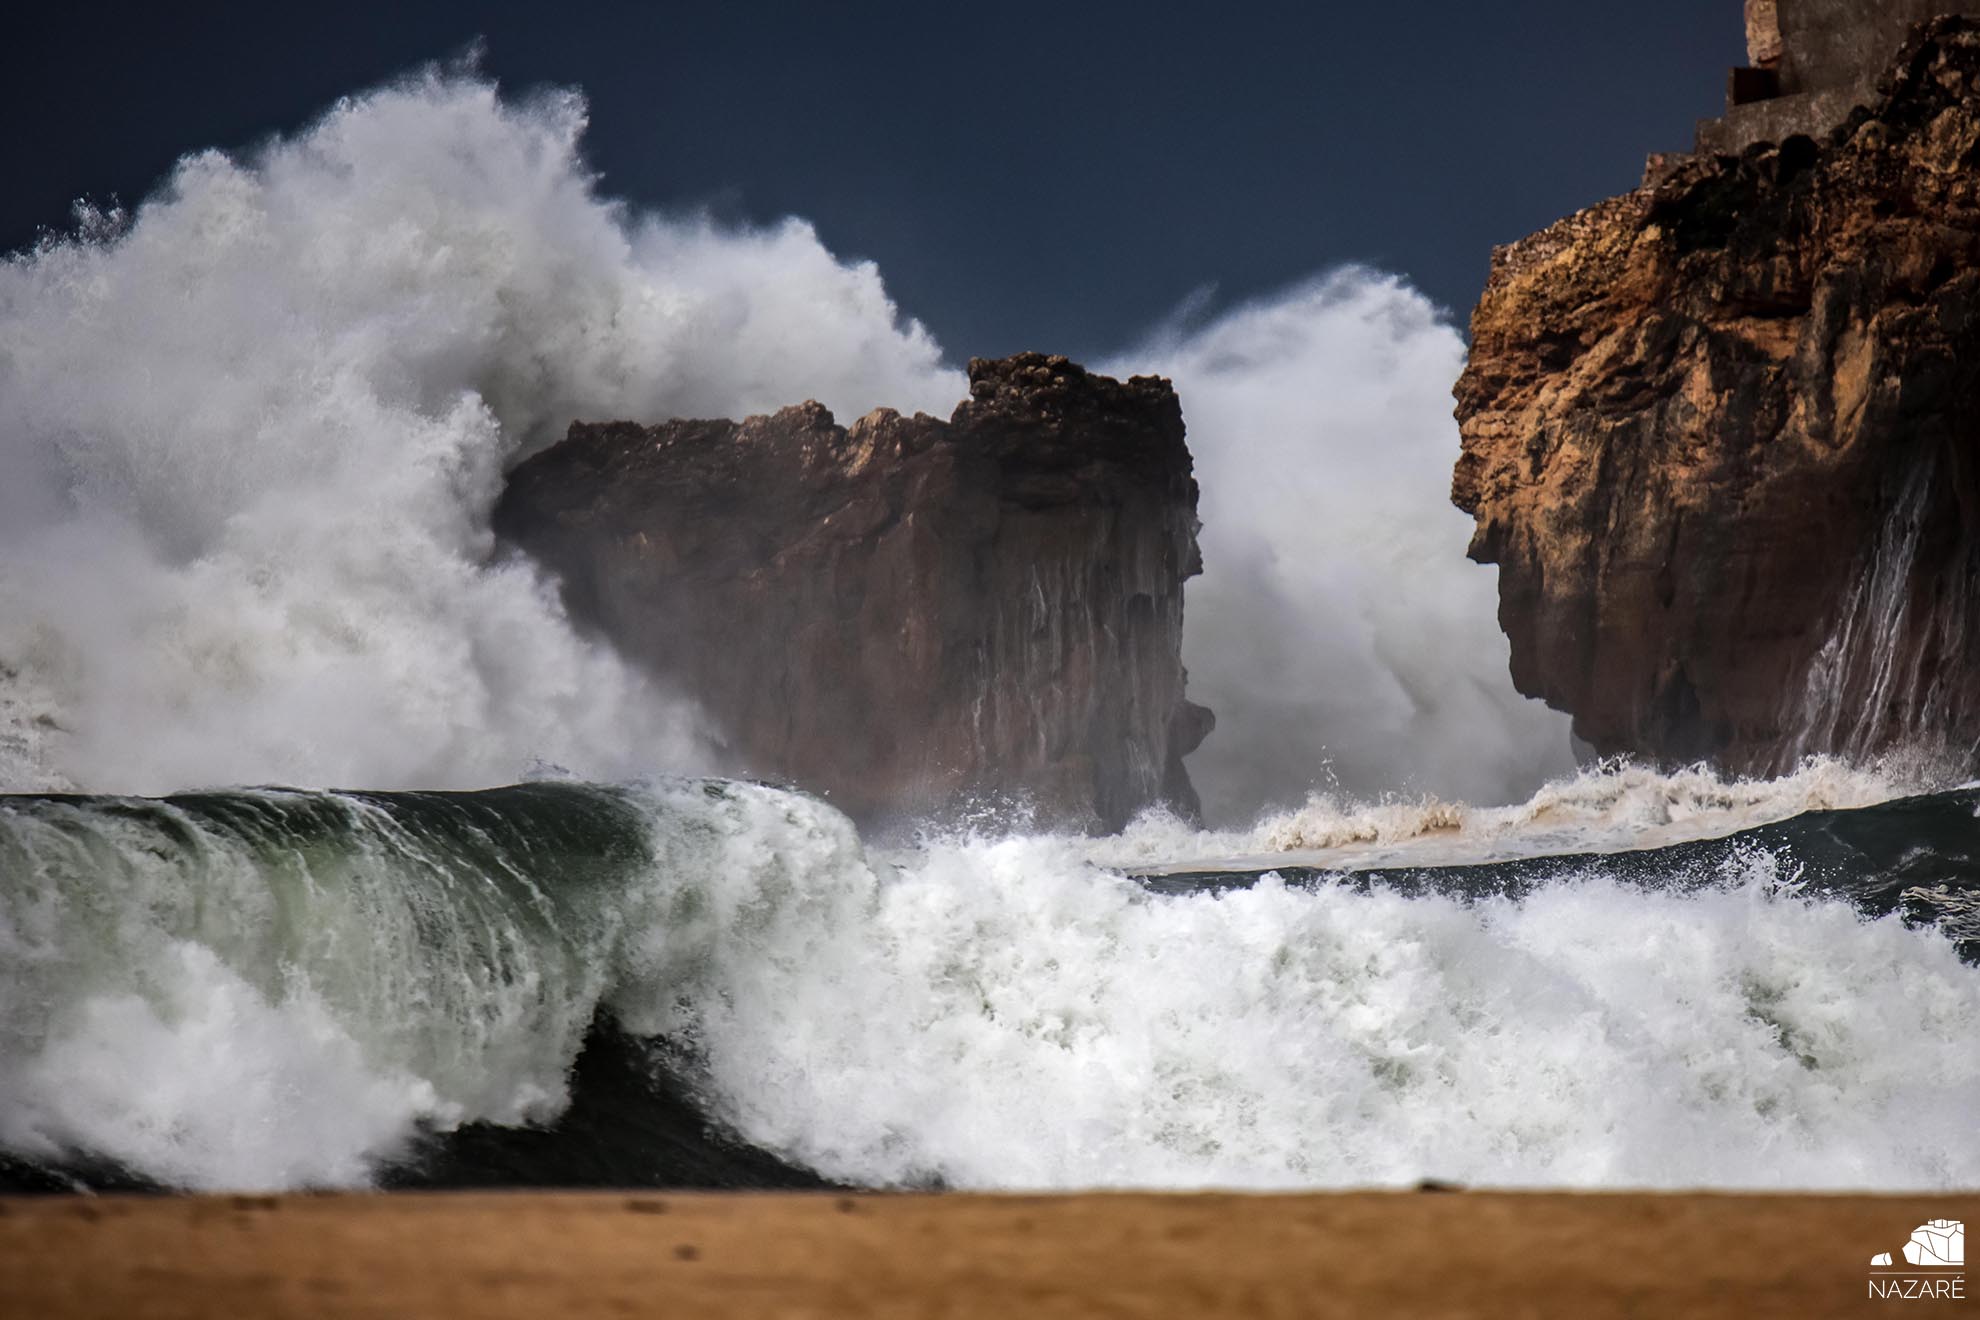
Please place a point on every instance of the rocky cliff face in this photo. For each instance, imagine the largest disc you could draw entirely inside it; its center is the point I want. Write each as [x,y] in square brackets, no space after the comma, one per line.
[907,613]
[1722,437]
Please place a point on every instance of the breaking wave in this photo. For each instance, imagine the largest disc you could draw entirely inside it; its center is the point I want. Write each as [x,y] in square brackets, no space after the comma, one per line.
[249,438]
[1605,808]
[276,989]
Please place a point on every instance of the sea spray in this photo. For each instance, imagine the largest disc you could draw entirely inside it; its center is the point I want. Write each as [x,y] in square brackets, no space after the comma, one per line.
[286,989]
[1338,632]
[251,431]
[1603,808]
[249,437]
[250,434]
[1024,1022]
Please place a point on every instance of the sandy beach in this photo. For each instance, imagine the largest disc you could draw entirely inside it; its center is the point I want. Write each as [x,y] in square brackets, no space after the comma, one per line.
[1358,1254]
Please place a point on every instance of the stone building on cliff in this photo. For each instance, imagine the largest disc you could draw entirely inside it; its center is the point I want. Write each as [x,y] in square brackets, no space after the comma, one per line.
[1809,63]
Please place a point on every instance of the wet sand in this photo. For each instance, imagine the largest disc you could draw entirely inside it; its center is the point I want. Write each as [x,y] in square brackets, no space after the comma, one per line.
[491,1256]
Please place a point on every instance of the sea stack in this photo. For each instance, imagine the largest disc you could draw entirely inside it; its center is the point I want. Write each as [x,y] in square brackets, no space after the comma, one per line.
[907,615]
[1722,434]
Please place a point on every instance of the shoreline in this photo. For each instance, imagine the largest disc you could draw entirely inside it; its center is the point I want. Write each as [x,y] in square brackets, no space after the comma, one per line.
[532,1254]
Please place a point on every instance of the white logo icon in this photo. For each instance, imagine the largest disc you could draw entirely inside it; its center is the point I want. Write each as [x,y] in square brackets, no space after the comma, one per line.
[1937,1244]
[1933,1265]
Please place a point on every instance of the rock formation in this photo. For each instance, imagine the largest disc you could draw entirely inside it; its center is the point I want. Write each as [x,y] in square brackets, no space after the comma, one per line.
[1722,437]
[906,614]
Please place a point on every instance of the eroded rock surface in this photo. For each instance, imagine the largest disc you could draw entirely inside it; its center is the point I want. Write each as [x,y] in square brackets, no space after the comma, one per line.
[1719,434]
[907,614]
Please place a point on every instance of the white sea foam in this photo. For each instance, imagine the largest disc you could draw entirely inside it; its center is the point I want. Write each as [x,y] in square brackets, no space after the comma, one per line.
[282,1007]
[1338,631]
[1605,808]
[250,435]
[982,1013]
[206,1082]
[249,439]
[998,1014]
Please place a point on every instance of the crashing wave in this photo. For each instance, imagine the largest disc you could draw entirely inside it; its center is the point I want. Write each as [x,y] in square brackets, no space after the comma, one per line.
[277,989]
[1610,807]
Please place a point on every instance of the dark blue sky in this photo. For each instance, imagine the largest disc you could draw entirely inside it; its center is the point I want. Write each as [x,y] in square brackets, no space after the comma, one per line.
[1048,176]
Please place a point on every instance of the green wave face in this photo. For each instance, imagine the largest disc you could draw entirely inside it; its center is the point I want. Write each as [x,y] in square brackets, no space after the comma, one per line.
[712,982]
[271,986]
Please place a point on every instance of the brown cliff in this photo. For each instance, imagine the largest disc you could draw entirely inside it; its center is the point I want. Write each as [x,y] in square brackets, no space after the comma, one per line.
[907,614]
[1720,436]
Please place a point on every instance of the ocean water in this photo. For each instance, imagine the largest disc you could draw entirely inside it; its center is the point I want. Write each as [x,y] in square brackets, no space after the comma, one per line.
[250,433]
[278,988]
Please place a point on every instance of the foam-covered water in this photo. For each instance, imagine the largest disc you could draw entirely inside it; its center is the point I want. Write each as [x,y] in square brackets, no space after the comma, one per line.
[272,988]
[249,438]
[1602,808]
[280,989]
